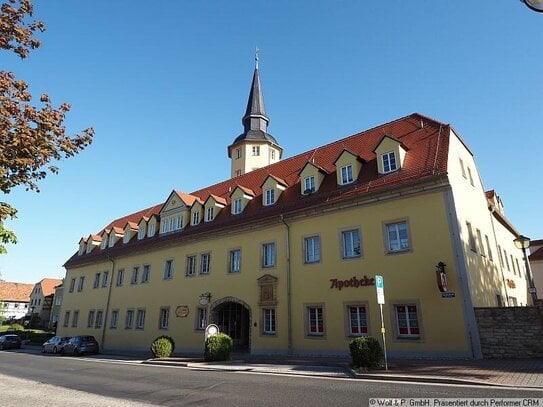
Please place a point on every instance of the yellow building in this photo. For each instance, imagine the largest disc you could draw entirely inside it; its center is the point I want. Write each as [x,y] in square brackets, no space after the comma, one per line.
[283,255]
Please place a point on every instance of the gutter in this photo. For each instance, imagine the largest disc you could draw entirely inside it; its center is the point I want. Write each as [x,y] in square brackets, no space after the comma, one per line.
[106,312]
[289,294]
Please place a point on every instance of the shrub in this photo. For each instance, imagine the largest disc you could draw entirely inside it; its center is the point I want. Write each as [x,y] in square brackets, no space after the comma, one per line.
[218,347]
[366,352]
[38,338]
[17,327]
[162,347]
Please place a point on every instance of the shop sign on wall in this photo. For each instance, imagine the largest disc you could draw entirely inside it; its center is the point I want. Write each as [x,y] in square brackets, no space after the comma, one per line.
[353,282]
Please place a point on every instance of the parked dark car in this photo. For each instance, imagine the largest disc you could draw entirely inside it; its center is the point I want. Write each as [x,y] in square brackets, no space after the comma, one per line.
[78,345]
[10,342]
[55,344]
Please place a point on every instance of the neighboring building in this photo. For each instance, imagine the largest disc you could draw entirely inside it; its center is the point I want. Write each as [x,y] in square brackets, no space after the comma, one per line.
[283,257]
[536,263]
[14,299]
[41,301]
[55,308]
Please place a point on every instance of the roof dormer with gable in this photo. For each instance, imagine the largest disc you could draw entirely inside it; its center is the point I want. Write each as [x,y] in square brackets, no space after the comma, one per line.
[311,178]
[175,213]
[348,166]
[82,246]
[239,199]
[130,229]
[272,187]
[142,227]
[152,225]
[104,236]
[93,241]
[212,206]
[390,153]
[255,147]
[115,234]
[196,212]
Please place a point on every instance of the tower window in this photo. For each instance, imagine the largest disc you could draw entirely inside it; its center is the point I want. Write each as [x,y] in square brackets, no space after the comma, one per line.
[238,152]
[256,150]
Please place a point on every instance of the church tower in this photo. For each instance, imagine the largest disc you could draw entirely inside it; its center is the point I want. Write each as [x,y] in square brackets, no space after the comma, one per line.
[254,148]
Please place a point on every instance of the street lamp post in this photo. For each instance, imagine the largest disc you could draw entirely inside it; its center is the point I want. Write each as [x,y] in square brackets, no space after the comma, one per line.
[523,242]
[535,5]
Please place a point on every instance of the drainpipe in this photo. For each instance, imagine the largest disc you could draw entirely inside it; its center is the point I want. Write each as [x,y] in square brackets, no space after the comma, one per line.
[289,296]
[106,312]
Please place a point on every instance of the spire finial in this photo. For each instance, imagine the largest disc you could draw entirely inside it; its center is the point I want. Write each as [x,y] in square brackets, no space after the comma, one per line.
[256,57]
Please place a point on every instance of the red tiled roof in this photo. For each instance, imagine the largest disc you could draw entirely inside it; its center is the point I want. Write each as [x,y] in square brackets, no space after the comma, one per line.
[426,139]
[15,291]
[48,285]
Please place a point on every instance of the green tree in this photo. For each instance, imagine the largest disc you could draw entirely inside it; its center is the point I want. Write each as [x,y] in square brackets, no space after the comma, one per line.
[32,137]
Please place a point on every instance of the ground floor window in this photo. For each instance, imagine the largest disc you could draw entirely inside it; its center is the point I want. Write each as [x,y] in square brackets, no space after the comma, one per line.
[358,321]
[407,320]
[129,320]
[268,319]
[99,315]
[315,320]
[75,319]
[164,320]
[140,319]
[201,318]
[114,319]
[66,318]
[90,319]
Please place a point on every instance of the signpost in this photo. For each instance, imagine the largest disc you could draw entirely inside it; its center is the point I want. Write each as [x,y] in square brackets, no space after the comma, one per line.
[380,287]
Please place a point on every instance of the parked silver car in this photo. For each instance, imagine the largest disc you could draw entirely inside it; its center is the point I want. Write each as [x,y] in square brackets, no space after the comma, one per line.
[79,345]
[55,344]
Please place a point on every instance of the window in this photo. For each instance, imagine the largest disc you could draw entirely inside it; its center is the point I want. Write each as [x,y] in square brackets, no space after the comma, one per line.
[470,177]
[506,260]
[58,300]
[518,268]
[238,173]
[66,318]
[168,269]
[407,320]
[397,237]
[358,321]
[272,153]
[209,214]
[236,206]
[462,168]
[238,153]
[105,279]
[129,321]
[268,255]
[141,231]
[81,283]
[90,319]
[146,273]
[309,185]
[178,222]
[191,266]
[195,218]
[72,285]
[235,261]
[256,150]
[140,319]
[480,241]
[202,318]
[164,318]
[270,196]
[126,236]
[99,316]
[120,277]
[346,174]
[151,229]
[513,265]
[315,317]
[488,249]
[472,244]
[103,245]
[135,274]
[500,256]
[75,319]
[389,162]
[351,243]
[205,263]
[312,249]
[96,280]
[114,319]
[268,325]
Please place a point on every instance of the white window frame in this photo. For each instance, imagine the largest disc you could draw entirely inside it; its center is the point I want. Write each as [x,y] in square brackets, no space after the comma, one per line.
[256,151]
[315,313]
[195,217]
[234,261]
[347,174]
[209,213]
[410,324]
[96,280]
[103,245]
[99,318]
[397,237]
[190,268]
[72,285]
[236,206]
[238,153]
[349,248]
[140,318]
[75,319]
[389,162]
[91,318]
[205,263]
[164,318]
[168,269]
[269,321]
[201,318]
[81,283]
[270,197]
[114,319]
[309,184]
[360,320]
[268,255]
[312,249]
[471,238]
[151,231]
[66,319]
[141,231]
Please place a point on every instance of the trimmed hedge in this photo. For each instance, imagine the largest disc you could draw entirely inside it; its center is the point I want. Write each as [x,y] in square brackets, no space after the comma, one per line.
[162,347]
[218,348]
[366,352]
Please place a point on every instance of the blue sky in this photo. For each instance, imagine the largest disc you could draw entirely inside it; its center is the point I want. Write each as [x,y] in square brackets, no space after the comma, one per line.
[165,85]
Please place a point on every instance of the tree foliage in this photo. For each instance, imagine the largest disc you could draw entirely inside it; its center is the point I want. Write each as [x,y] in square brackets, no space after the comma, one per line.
[32,137]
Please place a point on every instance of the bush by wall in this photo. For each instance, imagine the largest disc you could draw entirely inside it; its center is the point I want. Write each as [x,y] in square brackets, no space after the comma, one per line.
[218,347]
[366,352]
[162,347]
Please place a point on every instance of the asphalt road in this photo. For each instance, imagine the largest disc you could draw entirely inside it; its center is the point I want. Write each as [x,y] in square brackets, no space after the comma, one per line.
[87,380]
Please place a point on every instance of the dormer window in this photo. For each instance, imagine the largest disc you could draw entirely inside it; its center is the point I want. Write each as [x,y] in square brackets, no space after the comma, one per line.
[270,197]
[111,239]
[236,206]
[389,162]
[141,231]
[103,245]
[209,214]
[126,238]
[309,185]
[347,174]
[195,218]
[151,231]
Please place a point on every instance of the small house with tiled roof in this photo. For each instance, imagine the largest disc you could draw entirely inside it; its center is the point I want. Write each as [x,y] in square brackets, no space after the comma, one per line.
[536,263]
[14,299]
[283,254]
[41,298]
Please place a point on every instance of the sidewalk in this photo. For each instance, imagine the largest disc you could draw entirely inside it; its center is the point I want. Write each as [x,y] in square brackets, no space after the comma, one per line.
[522,373]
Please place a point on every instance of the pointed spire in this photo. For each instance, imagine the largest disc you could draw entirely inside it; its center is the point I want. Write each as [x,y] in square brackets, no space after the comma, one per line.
[255,117]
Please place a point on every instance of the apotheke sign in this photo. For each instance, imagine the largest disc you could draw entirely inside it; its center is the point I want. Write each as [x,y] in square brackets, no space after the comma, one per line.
[353,282]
